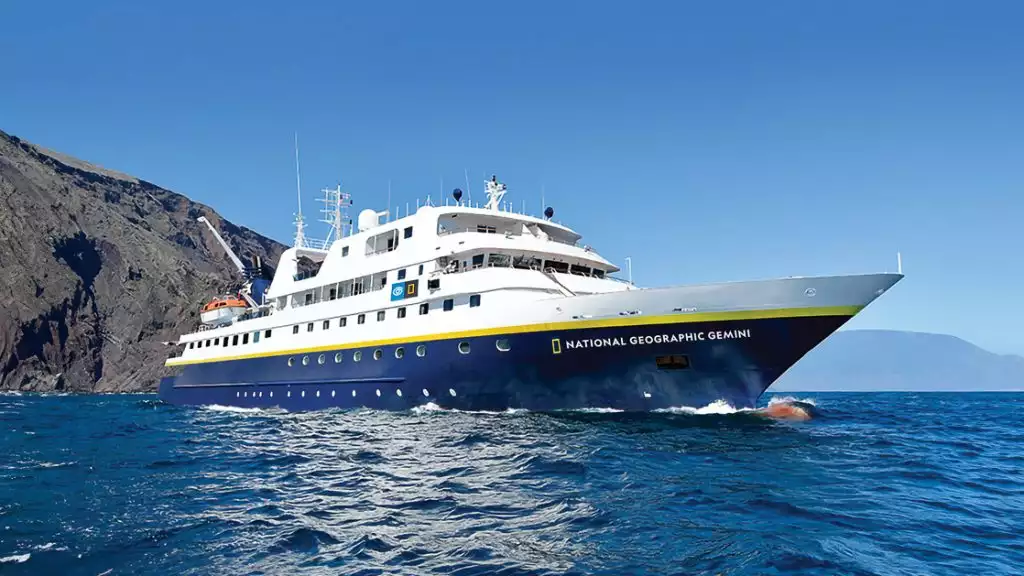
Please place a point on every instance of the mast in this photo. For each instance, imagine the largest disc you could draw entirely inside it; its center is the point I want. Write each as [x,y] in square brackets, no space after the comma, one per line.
[300,236]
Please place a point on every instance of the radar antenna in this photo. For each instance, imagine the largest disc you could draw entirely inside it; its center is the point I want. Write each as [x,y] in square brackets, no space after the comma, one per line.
[495,192]
[335,211]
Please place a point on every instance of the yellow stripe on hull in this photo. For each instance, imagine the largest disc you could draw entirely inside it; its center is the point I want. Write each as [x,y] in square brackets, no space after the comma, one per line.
[693,317]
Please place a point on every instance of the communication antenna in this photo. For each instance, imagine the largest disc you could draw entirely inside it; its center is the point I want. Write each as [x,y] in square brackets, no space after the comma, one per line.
[899,263]
[335,210]
[387,214]
[300,236]
[469,191]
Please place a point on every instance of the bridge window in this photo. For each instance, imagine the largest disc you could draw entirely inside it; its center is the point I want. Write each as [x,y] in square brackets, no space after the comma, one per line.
[598,273]
[499,260]
[478,261]
[474,300]
[361,319]
[380,316]
[556,266]
[448,305]
[342,322]
[407,233]
[295,329]
[401,274]
[579,270]
[401,312]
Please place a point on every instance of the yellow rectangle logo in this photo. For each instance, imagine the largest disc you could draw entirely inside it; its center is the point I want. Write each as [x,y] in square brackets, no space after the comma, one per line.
[556,346]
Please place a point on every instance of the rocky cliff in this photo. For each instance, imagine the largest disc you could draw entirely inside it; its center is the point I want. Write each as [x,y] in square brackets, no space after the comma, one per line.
[98,269]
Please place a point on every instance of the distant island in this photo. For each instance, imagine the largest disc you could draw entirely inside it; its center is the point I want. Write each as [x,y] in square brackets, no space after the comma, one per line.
[861,360]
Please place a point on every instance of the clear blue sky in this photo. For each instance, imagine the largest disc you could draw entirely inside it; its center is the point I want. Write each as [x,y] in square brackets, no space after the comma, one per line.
[709,141]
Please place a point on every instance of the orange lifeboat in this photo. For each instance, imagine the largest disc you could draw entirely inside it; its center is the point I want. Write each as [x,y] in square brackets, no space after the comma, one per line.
[223,310]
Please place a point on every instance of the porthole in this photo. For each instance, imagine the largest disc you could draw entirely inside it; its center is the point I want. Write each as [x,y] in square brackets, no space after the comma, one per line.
[421,350]
[464,347]
[357,355]
[317,393]
[378,354]
[271,393]
[333,392]
[353,393]
[426,392]
[238,394]
[303,393]
[261,394]
[289,393]
[502,344]
[399,392]
[321,359]
[399,352]
[291,362]
[245,394]
[305,360]
[378,393]
[337,358]
[451,391]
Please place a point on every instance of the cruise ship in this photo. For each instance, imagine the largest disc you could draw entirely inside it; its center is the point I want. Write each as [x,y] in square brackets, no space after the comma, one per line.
[485,308]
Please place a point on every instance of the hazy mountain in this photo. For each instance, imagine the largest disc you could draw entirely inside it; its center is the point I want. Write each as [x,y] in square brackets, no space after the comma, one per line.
[98,269]
[893,360]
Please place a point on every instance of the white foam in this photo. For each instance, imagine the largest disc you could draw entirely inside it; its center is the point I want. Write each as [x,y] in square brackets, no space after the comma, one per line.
[791,400]
[716,407]
[238,409]
[17,559]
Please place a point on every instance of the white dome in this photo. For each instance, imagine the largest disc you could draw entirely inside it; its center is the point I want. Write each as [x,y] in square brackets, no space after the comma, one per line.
[368,219]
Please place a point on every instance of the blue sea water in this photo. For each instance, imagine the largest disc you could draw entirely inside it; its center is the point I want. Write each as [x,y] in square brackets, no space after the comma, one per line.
[878,483]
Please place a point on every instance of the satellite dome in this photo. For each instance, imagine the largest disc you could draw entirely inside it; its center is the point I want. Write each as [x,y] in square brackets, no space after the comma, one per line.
[549,212]
[457,194]
[368,219]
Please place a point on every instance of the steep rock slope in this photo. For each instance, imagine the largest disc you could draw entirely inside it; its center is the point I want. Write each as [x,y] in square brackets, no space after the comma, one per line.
[97,269]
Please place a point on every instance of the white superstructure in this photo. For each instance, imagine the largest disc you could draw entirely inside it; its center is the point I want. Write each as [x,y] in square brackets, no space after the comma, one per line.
[468,268]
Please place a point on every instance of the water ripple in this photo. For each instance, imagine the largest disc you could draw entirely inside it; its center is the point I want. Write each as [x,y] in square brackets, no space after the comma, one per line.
[873,484]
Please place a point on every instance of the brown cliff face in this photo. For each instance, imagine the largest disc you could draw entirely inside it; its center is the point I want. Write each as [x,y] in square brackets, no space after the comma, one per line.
[98,269]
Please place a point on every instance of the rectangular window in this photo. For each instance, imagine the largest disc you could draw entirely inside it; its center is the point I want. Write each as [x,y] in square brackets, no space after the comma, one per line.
[342,322]
[421,270]
[401,312]
[434,284]
[478,261]
[234,341]
[408,232]
[334,293]
[309,327]
[424,308]
[295,329]
[672,362]
[401,274]
[216,341]
[266,333]
[579,270]
[361,319]
[380,316]
[309,298]
[207,343]
[448,305]
[598,273]
[225,341]
[256,337]
[192,345]
[245,338]
[199,344]
[327,324]
[474,300]
[344,251]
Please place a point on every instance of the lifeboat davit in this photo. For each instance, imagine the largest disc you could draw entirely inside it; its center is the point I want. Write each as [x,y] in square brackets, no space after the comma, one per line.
[221,311]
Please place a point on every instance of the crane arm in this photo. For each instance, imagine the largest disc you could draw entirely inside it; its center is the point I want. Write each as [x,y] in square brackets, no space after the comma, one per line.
[231,254]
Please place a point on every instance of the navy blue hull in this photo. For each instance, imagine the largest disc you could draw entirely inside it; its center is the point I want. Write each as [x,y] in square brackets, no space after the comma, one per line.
[635,368]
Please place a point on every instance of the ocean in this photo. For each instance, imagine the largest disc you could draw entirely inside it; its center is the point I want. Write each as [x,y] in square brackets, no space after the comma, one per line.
[875,483]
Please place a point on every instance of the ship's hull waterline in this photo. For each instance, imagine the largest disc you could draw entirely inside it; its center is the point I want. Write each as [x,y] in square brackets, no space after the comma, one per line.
[638,367]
